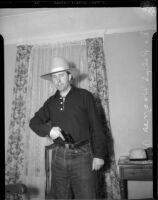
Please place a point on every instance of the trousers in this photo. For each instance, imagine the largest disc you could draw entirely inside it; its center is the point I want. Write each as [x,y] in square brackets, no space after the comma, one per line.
[72,175]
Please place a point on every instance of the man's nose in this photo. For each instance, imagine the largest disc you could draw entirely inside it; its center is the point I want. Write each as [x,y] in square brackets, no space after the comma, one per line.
[58,79]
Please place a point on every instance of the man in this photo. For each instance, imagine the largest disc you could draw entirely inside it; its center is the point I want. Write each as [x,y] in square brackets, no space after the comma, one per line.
[79,140]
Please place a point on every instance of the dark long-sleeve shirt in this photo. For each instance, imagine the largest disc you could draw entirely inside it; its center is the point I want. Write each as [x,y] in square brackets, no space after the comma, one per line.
[77,115]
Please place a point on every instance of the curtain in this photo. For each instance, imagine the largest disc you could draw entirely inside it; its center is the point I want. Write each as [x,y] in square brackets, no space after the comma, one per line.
[98,85]
[14,168]
[25,155]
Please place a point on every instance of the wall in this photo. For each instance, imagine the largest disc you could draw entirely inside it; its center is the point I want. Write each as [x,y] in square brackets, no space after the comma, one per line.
[124,43]
[125,70]
[124,60]
[38,26]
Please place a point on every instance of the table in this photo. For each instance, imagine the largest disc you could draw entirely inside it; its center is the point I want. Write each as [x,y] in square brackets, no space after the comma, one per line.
[136,171]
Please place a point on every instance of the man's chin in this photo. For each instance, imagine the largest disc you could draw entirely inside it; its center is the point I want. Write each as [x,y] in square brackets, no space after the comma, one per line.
[60,88]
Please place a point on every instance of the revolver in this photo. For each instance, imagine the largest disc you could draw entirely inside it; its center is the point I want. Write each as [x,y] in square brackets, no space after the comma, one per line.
[68,137]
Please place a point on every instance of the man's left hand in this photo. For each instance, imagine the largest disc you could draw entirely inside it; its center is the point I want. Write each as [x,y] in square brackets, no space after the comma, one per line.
[97,163]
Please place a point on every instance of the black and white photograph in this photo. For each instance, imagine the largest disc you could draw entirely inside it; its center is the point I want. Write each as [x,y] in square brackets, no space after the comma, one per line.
[78,93]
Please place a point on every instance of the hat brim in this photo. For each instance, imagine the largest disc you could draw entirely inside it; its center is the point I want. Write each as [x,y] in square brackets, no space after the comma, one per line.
[48,76]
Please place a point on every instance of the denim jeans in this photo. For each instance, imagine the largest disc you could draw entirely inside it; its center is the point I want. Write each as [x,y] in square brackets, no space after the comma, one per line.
[72,172]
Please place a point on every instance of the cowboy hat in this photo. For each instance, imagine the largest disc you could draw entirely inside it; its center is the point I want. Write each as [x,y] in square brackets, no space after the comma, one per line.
[59,64]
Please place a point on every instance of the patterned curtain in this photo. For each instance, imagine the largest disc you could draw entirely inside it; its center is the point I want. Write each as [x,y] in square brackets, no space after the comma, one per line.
[98,85]
[15,161]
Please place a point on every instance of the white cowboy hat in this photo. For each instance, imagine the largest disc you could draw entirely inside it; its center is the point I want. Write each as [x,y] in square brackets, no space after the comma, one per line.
[59,64]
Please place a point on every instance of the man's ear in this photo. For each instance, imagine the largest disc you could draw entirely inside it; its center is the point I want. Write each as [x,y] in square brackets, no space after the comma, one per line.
[70,77]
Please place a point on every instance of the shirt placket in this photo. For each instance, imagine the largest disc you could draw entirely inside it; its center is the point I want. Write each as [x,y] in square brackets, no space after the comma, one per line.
[62,103]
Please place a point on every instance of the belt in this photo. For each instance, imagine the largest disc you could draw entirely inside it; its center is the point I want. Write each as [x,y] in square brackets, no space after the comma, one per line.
[74,145]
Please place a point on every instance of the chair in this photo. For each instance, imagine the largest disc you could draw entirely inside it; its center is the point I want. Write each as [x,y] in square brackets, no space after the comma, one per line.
[15,188]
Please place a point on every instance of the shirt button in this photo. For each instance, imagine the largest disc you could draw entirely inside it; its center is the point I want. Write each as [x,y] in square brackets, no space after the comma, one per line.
[61,102]
[61,109]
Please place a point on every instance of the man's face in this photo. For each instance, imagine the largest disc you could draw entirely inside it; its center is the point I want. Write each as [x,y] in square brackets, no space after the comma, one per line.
[61,80]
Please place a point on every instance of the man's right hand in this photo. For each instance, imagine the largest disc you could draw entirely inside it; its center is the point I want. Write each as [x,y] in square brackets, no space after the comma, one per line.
[55,132]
